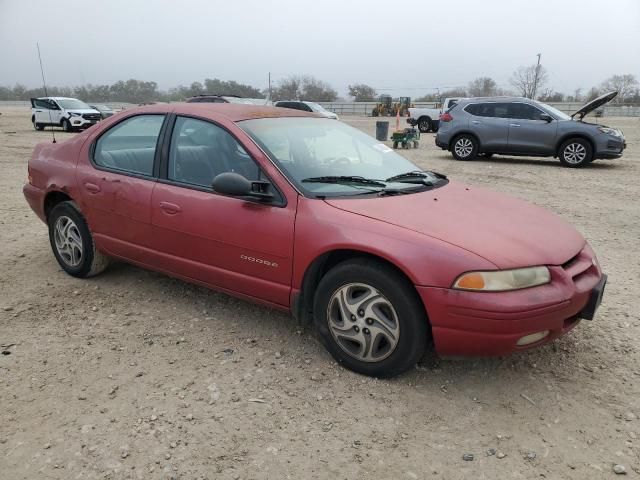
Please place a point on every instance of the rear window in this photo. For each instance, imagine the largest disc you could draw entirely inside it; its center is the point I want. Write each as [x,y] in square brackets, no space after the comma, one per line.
[499,110]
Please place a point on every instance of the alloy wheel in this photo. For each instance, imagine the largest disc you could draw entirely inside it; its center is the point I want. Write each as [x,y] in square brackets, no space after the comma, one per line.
[463,147]
[575,153]
[68,241]
[363,322]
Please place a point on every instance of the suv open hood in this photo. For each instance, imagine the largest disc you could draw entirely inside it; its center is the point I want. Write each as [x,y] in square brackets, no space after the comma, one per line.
[593,104]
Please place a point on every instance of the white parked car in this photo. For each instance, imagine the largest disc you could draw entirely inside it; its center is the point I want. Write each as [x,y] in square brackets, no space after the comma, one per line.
[68,113]
[428,119]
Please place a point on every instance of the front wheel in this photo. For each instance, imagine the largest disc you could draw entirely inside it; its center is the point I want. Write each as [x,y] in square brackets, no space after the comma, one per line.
[575,153]
[66,126]
[72,242]
[465,147]
[424,125]
[370,318]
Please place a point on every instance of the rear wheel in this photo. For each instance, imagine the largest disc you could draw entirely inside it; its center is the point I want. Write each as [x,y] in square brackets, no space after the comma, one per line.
[424,124]
[36,125]
[465,147]
[370,318]
[575,153]
[72,242]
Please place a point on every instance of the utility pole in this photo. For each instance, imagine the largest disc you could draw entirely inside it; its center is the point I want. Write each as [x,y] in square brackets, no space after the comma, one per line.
[535,81]
[269,86]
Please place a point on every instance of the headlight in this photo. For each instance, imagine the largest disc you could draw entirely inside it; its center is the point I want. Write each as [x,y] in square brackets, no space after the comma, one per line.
[610,131]
[74,114]
[501,280]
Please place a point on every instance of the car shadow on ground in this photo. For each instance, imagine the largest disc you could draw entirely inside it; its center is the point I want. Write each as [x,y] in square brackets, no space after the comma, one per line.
[596,164]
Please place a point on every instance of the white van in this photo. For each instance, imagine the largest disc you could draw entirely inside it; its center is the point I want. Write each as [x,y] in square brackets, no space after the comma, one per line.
[68,113]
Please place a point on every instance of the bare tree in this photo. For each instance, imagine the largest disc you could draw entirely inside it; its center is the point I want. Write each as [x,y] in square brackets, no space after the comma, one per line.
[626,86]
[304,88]
[483,87]
[362,93]
[524,80]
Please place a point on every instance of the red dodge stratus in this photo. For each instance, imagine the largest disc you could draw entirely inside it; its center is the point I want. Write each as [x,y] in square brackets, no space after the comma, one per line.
[310,215]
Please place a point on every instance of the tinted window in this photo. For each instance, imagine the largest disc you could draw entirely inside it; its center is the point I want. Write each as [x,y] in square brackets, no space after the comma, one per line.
[499,110]
[42,104]
[524,111]
[201,150]
[130,145]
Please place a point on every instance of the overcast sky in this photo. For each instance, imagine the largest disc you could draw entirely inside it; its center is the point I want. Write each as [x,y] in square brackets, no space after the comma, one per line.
[410,47]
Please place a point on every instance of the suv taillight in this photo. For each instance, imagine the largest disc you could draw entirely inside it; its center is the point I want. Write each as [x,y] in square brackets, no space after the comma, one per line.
[446,117]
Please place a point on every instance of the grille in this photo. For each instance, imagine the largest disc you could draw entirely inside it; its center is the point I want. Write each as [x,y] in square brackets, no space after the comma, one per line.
[578,265]
[91,116]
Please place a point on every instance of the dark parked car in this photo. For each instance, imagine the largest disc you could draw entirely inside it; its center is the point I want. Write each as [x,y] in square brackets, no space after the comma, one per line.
[104,110]
[309,215]
[519,126]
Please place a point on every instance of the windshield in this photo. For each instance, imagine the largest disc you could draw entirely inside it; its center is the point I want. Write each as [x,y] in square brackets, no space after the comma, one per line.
[554,111]
[315,107]
[101,107]
[72,103]
[308,150]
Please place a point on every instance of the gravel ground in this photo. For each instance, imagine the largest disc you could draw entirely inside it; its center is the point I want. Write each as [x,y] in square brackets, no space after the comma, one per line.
[135,375]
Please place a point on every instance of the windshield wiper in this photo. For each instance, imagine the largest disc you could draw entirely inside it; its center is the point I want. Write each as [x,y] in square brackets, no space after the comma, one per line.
[410,177]
[345,179]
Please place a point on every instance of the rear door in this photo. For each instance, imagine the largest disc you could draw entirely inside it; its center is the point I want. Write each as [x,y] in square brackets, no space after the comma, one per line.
[230,243]
[489,122]
[42,109]
[116,174]
[528,133]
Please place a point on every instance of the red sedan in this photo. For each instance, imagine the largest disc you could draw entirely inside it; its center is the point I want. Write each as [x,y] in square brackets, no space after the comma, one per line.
[310,215]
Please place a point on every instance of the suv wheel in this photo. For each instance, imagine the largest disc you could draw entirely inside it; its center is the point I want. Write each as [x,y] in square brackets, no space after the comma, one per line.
[36,125]
[424,124]
[66,126]
[72,242]
[575,152]
[370,318]
[465,147]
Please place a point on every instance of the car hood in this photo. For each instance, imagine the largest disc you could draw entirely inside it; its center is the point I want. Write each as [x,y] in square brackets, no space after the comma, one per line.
[595,103]
[506,231]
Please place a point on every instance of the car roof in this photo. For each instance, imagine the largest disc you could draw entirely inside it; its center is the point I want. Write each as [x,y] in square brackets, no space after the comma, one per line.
[57,98]
[494,99]
[232,111]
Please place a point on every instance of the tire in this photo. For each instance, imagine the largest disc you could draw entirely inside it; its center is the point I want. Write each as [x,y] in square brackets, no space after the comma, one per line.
[486,155]
[424,124]
[66,126]
[416,144]
[464,147]
[575,153]
[36,125]
[72,242]
[398,318]
[395,145]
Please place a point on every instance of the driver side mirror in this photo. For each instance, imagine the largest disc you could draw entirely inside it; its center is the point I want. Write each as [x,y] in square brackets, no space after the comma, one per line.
[235,185]
[547,118]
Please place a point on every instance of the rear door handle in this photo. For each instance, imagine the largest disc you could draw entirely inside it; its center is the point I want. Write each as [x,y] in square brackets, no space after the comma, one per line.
[91,187]
[170,208]
[112,180]
[514,124]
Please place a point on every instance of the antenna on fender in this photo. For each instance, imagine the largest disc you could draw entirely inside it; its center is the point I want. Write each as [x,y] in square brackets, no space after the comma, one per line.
[44,84]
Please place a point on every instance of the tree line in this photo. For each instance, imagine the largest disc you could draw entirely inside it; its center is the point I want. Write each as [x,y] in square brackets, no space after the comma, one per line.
[529,81]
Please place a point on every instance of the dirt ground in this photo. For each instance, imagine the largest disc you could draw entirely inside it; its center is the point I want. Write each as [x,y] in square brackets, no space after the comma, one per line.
[135,375]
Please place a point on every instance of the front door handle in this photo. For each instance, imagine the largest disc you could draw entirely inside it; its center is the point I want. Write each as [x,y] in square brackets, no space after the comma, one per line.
[170,208]
[514,124]
[91,187]
[475,121]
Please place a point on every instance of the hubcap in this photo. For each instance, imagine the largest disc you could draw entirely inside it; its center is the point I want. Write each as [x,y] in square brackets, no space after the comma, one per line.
[371,336]
[424,125]
[68,241]
[463,147]
[575,153]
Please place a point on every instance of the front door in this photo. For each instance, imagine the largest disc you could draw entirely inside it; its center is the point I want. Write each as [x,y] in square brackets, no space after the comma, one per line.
[115,177]
[528,133]
[230,243]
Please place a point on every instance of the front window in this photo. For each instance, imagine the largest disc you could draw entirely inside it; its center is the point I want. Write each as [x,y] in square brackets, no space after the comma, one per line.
[73,104]
[309,150]
[554,111]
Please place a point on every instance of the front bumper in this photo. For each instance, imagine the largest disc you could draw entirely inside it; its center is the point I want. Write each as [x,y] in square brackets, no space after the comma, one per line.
[79,122]
[610,147]
[491,323]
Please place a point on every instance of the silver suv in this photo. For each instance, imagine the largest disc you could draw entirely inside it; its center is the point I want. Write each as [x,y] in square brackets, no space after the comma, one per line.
[519,126]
